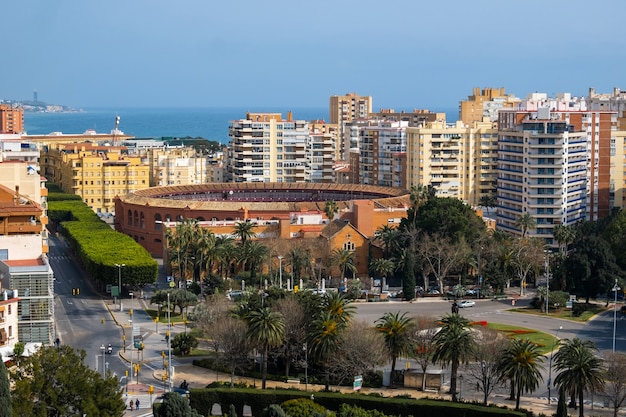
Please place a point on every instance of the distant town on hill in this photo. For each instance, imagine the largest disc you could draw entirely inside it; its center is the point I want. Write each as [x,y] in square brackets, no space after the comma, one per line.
[40,106]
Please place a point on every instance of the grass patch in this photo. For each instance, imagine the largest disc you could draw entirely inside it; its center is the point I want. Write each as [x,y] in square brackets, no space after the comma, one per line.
[545,341]
[565,313]
[175,317]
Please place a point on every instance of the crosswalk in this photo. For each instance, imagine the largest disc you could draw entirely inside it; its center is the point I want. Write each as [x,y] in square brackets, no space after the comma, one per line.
[60,258]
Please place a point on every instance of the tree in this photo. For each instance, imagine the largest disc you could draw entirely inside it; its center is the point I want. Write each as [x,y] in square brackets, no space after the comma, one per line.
[382,267]
[339,307]
[591,267]
[5,393]
[422,341]
[525,223]
[18,352]
[266,329]
[440,255]
[344,260]
[231,344]
[182,298]
[57,379]
[579,369]
[253,254]
[484,368]
[521,363]
[454,345]
[174,405]
[527,256]
[564,235]
[300,259]
[389,236]
[295,330]
[490,201]
[244,231]
[396,331]
[331,208]
[615,380]
[360,352]
[182,343]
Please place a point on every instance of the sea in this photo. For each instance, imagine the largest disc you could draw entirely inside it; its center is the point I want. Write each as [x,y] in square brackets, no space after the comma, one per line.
[207,123]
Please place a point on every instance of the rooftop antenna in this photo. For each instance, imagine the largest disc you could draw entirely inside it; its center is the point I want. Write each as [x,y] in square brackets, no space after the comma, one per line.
[116,129]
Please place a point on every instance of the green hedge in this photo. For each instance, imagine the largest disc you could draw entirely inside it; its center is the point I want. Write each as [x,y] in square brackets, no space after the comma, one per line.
[202,400]
[99,247]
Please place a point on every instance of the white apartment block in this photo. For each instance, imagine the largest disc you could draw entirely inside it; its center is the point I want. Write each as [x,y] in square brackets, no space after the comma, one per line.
[382,152]
[552,164]
[322,153]
[459,161]
[264,147]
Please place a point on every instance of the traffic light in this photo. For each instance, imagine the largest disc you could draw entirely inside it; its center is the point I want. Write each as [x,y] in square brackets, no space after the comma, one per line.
[75,291]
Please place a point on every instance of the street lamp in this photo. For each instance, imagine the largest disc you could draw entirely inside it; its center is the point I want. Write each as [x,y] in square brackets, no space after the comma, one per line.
[306,366]
[550,366]
[169,344]
[119,282]
[280,272]
[103,349]
[547,279]
[616,288]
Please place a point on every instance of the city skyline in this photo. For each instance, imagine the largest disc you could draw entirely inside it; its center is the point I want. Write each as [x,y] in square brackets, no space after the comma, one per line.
[404,54]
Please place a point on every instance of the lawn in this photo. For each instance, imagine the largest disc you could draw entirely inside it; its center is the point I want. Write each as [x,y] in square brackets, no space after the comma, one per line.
[545,341]
[565,313]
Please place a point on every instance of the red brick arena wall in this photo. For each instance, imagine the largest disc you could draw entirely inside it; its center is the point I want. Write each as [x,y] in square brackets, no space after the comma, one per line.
[141,214]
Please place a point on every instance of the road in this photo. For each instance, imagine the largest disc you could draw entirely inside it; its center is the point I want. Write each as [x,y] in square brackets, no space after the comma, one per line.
[82,321]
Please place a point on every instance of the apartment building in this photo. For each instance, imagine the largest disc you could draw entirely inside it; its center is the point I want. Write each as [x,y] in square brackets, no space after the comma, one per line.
[485,104]
[11,119]
[459,161]
[553,163]
[8,323]
[96,173]
[381,155]
[43,141]
[343,111]
[176,166]
[416,118]
[24,265]
[264,147]
[322,152]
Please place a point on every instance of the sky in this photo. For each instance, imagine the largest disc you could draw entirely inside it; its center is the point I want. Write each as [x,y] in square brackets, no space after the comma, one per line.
[208,53]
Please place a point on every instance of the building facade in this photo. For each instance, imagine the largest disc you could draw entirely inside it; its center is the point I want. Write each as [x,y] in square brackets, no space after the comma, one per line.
[553,163]
[382,153]
[459,161]
[484,105]
[11,119]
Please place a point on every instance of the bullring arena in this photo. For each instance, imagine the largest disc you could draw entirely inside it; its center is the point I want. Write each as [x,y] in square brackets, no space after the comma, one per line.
[280,210]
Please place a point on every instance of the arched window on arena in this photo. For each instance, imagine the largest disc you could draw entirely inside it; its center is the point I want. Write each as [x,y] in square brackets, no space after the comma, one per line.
[136,219]
[168,218]
[142,220]
[200,219]
[130,218]
[179,218]
[158,224]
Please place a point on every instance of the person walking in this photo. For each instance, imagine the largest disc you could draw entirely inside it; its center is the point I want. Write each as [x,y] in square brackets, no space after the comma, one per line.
[131,404]
[137,404]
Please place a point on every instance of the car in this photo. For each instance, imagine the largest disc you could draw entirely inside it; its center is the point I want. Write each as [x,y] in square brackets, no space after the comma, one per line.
[234,295]
[466,303]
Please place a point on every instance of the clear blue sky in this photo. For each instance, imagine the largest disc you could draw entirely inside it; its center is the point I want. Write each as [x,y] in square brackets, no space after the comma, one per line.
[209,53]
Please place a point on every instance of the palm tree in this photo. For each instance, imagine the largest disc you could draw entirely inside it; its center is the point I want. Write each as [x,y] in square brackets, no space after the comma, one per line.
[382,267]
[266,329]
[344,259]
[396,331]
[521,363]
[244,231]
[564,235]
[580,369]
[331,208]
[253,254]
[389,236]
[526,222]
[339,307]
[226,253]
[453,345]
[300,259]
[325,339]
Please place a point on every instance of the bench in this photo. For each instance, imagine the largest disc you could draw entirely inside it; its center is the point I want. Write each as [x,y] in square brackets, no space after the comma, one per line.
[293,381]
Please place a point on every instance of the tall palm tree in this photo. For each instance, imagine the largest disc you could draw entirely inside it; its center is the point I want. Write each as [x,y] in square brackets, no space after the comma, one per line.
[389,236]
[300,259]
[266,329]
[226,253]
[331,208]
[244,231]
[564,235]
[521,363]
[396,330]
[382,267]
[253,254]
[579,369]
[454,344]
[526,222]
[325,339]
[344,259]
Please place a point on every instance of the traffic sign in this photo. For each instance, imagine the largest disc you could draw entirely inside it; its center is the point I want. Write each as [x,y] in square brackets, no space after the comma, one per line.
[172,284]
[358,382]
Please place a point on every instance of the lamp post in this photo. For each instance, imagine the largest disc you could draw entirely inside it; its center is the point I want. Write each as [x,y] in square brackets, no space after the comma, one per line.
[280,272]
[306,366]
[547,279]
[550,365]
[102,349]
[169,344]
[119,282]
[616,288]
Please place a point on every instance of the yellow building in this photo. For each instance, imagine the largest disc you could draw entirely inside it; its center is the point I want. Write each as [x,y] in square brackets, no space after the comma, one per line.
[96,173]
[88,136]
[459,161]
[176,166]
[485,104]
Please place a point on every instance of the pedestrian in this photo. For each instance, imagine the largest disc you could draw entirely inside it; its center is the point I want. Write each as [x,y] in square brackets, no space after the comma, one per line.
[132,404]
[137,404]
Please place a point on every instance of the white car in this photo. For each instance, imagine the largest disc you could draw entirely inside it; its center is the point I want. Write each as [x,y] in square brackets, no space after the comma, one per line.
[466,303]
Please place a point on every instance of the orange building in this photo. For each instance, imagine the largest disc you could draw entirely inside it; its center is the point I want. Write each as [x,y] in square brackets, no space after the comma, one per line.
[11,119]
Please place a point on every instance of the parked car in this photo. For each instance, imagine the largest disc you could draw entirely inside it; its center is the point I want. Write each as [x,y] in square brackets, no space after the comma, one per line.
[234,295]
[466,303]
